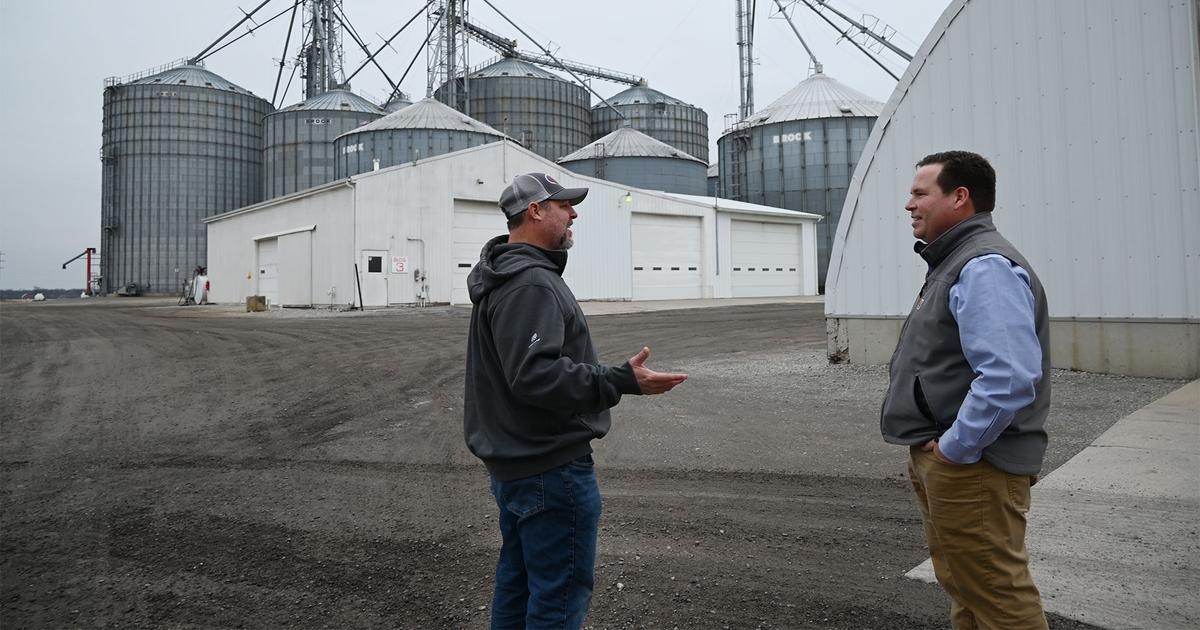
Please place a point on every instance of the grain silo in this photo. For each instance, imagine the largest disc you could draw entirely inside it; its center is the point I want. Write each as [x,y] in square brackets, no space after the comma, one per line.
[544,112]
[398,103]
[628,156]
[299,139]
[421,130]
[180,144]
[799,152]
[664,118]
[714,172]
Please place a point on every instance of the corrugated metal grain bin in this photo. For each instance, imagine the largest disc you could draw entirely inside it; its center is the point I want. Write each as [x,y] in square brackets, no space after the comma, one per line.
[299,139]
[419,131]
[664,118]
[799,153]
[178,146]
[544,112]
[397,104]
[630,157]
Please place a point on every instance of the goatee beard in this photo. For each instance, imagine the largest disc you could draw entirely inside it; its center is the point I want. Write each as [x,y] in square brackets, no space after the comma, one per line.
[565,243]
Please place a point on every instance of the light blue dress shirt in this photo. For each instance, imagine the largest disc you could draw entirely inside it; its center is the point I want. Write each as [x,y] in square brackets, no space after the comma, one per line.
[994,307]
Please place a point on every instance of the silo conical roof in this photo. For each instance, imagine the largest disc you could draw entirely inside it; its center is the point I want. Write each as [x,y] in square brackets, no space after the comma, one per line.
[819,96]
[628,142]
[337,100]
[192,75]
[428,113]
[641,94]
[397,104]
[512,67]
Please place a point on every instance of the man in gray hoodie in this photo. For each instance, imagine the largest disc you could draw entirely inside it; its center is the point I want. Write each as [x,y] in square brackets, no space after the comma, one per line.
[535,396]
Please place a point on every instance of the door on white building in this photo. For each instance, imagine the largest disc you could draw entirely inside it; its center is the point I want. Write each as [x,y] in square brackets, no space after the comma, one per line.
[372,273]
[475,223]
[766,259]
[268,270]
[666,257]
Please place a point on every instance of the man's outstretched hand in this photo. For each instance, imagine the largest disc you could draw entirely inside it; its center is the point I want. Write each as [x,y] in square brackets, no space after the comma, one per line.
[650,381]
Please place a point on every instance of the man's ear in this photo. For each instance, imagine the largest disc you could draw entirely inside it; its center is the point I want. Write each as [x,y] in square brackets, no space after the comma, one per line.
[534,210]
[962,196]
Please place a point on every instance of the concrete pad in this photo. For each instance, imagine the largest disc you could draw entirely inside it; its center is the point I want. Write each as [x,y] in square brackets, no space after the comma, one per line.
[1113,533]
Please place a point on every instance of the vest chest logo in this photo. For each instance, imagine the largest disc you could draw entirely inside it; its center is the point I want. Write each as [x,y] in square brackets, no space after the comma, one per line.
[920,302]
[534,339]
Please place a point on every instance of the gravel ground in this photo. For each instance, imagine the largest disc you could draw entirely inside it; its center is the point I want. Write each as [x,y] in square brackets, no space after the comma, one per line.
[169,467]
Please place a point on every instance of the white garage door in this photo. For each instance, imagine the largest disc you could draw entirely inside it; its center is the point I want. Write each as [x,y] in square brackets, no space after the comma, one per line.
[268,270]
[666,257]
[475,223]
[766,259]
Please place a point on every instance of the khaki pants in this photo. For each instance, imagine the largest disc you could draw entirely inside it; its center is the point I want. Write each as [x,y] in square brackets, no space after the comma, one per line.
[974,520]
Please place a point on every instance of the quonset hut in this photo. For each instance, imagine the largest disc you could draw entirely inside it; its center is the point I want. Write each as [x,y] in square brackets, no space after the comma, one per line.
[179,145]
[799,152]
[627,156]
[1101,202]
[664,118]
[299,139]
[419,131]
[544,112]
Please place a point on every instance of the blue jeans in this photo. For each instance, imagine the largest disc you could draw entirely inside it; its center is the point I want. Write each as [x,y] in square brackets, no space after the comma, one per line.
[546,572]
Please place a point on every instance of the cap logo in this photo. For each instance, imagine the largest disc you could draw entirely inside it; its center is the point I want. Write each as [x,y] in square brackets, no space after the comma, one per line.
[552,180]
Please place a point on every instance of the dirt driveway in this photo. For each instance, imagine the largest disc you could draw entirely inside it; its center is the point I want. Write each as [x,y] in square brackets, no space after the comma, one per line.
[169,467]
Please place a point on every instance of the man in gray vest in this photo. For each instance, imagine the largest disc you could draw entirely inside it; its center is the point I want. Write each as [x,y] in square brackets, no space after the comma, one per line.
[969,394]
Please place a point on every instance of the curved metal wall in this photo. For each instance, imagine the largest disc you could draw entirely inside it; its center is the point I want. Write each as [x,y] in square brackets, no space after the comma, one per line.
[550,117]
[356,152]
[299,150]
[802,165]
[173,155]
[651,173]
[681,126]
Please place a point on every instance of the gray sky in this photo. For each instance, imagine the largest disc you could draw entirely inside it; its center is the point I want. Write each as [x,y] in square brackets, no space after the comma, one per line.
[55,55]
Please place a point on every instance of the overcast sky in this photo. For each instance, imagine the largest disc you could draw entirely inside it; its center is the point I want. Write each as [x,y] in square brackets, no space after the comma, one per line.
[55,55]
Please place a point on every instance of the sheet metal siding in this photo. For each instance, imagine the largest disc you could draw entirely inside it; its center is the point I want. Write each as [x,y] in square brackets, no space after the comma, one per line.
[172,156]
[295,269]
[550,117]
[231,248]
[300,150]
[681,126]
[651,173]
[1088,111]
[428,192]
[802,165]
[355,153]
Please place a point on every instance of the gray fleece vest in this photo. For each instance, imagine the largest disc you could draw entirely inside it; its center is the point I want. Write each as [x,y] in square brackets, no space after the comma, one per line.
[930,376]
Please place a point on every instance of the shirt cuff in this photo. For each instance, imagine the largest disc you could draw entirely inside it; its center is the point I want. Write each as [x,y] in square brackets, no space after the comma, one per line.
[955,451]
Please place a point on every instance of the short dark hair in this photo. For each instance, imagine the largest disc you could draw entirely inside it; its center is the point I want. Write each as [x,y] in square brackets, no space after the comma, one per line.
[516,220]
[968,170]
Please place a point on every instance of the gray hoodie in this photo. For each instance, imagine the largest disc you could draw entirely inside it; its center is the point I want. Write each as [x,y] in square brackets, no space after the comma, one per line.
[536,394]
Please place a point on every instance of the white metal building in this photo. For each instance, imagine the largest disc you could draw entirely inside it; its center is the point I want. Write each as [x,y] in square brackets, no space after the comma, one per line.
[415,230]
[1088,111]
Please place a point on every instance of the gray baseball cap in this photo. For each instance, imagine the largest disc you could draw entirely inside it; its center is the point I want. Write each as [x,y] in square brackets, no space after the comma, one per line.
[536,188]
